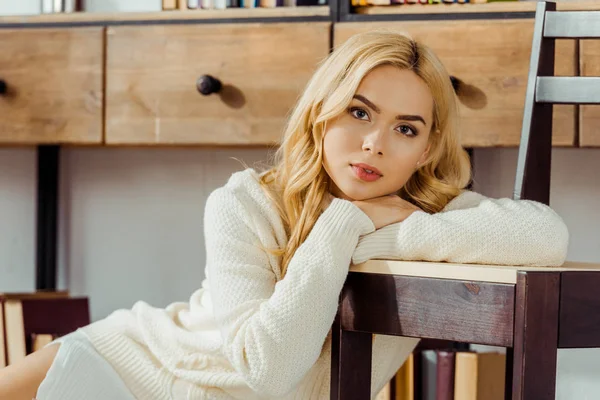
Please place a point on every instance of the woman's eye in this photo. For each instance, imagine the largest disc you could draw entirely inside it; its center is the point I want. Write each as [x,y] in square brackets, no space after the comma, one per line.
[407,130]
[359,113]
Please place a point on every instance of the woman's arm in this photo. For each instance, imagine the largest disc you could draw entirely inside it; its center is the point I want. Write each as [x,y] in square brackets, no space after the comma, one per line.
[474,229]
[272,331]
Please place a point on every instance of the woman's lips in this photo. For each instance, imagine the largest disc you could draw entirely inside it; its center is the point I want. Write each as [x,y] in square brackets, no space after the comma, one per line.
[362,174]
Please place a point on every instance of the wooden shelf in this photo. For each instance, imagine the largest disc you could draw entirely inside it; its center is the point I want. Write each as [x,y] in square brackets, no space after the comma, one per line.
[493,7]
[176,15]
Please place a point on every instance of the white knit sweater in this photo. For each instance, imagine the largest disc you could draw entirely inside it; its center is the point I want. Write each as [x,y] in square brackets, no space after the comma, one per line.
[248,334]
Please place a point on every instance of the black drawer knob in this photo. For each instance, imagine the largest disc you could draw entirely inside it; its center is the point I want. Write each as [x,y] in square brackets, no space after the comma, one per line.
[207,84]
[3,87]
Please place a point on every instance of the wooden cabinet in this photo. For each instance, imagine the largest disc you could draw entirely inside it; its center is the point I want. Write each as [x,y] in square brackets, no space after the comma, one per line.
[590,115]
[492,58]
[152,71]
[53,83]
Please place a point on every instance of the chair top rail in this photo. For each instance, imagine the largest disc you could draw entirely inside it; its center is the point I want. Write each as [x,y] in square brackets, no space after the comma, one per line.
[572,24]
[469,272]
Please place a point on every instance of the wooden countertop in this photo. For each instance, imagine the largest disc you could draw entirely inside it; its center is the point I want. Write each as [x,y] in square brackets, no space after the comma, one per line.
[469,272]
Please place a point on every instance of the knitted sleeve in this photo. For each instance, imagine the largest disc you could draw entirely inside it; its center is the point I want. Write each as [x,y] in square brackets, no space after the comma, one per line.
[474,229]
[273,332]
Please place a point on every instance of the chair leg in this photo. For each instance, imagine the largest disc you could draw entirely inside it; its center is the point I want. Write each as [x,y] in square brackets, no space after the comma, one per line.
[351,354]
[508,376]
[535,340]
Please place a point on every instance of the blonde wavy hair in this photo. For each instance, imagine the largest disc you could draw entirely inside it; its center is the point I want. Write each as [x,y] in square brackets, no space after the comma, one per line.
[297,182]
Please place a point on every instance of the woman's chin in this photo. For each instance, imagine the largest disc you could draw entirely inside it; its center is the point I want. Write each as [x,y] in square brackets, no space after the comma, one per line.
[357,195]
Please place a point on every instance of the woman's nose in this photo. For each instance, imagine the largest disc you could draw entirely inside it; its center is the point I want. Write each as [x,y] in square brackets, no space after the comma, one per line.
[373,143]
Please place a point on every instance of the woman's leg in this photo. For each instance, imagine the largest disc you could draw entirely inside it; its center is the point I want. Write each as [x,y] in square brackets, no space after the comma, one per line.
[20,381]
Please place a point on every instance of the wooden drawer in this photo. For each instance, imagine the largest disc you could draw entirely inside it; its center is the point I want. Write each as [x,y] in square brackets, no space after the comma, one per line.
[54,83]
[589,129]
[492,57]
[152,71]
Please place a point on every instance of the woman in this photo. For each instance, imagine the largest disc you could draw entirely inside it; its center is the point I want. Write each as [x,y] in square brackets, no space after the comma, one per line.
[370,166]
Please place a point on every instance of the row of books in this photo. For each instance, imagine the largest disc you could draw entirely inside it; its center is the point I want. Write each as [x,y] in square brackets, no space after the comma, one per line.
[362,3]
[223,4]
[60,6]
[29,321]
[448,375]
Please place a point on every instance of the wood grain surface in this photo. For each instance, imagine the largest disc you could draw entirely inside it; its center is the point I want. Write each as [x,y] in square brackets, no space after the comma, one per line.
[152,72]
[54,80]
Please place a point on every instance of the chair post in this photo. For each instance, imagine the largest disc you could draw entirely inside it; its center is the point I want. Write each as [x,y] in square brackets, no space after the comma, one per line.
[532,180]
[351,354]
[535,344]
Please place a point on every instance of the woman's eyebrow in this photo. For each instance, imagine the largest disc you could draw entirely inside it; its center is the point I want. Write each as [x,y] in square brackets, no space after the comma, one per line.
[411,118]
[368,102]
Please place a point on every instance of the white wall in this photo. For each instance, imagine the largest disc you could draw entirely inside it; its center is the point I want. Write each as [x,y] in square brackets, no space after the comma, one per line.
[575,191]
[20,7]
[17,218]
[132,222]
[131,219]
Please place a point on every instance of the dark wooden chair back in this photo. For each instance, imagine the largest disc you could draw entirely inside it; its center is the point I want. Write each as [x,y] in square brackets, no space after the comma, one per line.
[544,90]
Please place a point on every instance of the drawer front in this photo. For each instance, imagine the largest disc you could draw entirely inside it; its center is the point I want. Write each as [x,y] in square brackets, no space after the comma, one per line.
[54,86]
[590,115]
[492,58]
[152,72]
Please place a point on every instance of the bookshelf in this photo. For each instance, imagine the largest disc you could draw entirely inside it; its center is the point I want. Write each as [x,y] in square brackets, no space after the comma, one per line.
[172,16]
[452,8]
[336,11]
[494,10]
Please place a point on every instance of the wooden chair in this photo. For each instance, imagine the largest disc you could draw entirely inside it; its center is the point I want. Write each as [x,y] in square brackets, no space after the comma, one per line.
[530,311]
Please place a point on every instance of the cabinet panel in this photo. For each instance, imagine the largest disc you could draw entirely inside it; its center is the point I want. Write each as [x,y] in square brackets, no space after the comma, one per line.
[152,71]
[53,83]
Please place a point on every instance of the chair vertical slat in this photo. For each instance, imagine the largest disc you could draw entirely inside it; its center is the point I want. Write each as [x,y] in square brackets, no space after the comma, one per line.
[532,180]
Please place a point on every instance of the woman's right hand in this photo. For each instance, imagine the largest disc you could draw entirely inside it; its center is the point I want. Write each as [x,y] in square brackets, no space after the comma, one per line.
[386,210]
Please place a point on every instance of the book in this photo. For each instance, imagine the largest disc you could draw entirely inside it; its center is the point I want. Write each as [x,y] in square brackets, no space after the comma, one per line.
[47,6]
[69,6]
[385,393]
[3,361]
[39,294]
[58,6]
[25,315]
[429,374]
[479,376]
[445,375]
[169,4]
[17,347]
[405,380]
[39,340]
[219,4]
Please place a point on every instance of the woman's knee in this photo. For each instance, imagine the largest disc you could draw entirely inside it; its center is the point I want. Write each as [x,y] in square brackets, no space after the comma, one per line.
[20,381]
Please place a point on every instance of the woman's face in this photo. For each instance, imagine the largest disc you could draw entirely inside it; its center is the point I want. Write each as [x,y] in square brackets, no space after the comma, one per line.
[373,148]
